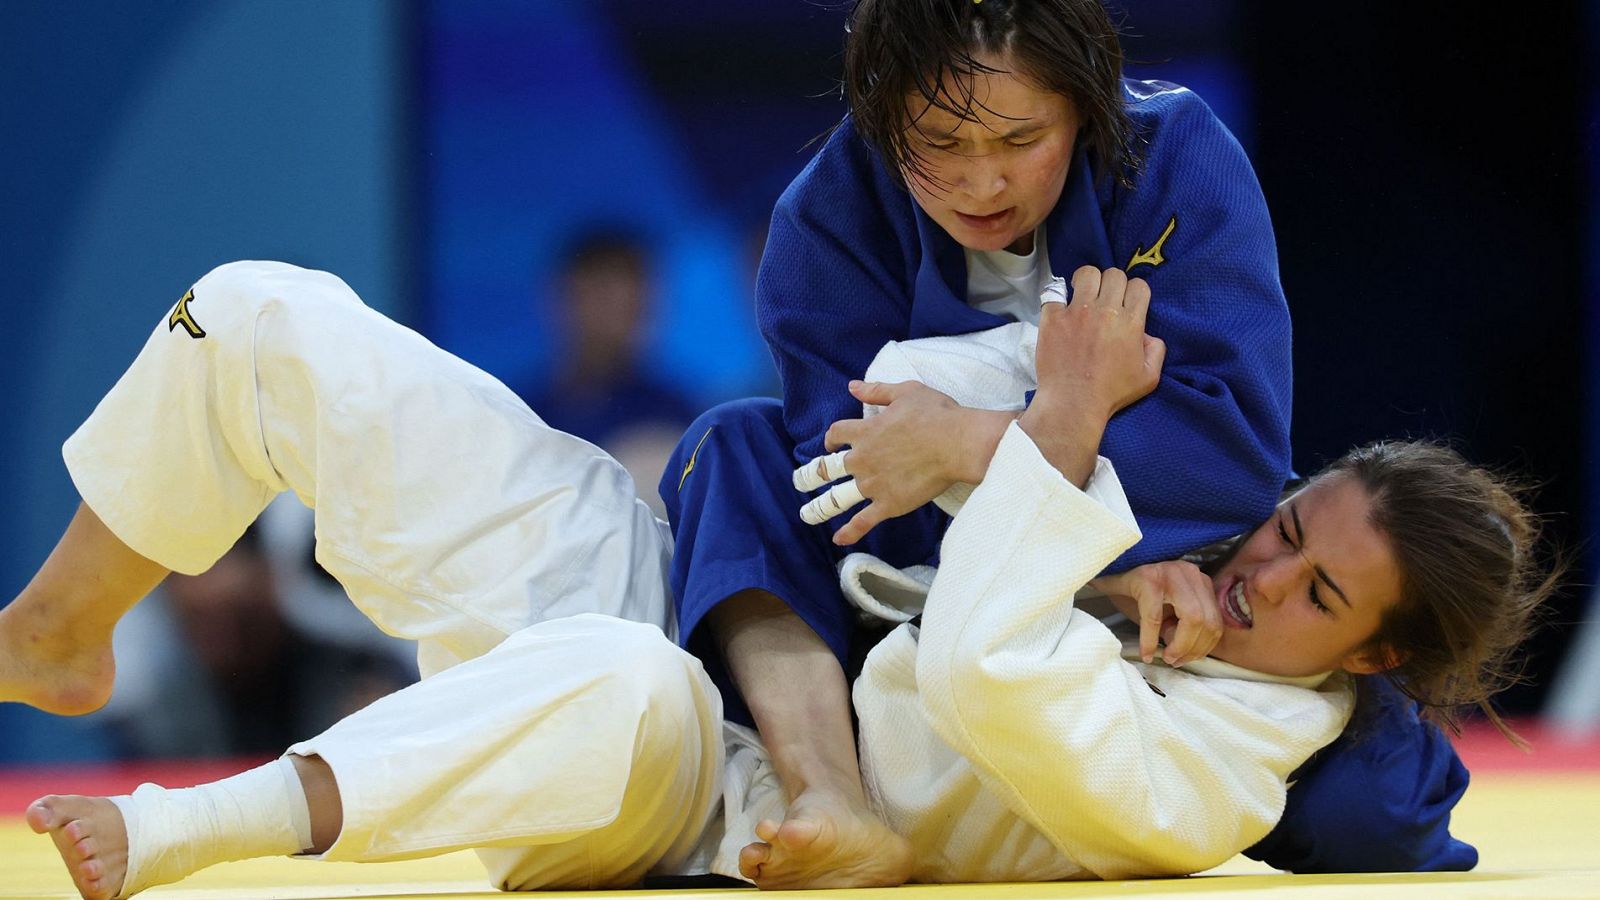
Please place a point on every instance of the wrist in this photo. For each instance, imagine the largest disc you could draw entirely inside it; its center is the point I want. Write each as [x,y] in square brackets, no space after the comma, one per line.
[978,435]
[1068,439]
[1069,409]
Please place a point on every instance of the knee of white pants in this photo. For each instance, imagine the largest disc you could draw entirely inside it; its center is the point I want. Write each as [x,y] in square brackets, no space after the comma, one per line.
[646,665]
[663,722]
[227,305]
[580,737]
[242,275]
[174,458]
[253,281]
[249,291]
[643,681]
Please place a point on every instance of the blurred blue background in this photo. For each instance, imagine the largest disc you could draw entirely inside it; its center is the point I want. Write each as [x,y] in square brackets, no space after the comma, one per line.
[1431,173]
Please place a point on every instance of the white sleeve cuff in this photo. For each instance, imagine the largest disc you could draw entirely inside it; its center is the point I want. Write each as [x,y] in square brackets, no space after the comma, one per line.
[1019,461]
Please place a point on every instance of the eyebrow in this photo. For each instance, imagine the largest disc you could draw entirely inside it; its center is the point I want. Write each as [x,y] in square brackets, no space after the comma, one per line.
[1322,573]
[1029,127]
[939,129]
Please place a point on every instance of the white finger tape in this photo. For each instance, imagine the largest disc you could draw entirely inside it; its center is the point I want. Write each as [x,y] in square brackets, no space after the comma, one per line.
[1055,291]
[839,498]
[821,471]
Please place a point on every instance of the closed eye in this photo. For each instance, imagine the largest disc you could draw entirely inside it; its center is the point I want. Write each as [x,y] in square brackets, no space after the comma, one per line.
[1283,534]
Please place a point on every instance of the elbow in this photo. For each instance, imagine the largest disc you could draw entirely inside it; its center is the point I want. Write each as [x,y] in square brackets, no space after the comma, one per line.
[965,698]
[1159,850]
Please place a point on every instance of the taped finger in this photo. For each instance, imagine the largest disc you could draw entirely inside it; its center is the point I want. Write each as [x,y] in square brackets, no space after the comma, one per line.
[839,498]
[1054,292]
[821,471]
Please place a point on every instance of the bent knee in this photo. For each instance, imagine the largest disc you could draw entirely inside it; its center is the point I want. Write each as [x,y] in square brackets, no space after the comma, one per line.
[651,666]
[241,290]
[630,658]
[753,422]
[758,418]
[745,437]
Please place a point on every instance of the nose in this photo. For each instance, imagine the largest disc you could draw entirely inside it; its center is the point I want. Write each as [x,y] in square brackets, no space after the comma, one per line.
[1279,578]
[983,176]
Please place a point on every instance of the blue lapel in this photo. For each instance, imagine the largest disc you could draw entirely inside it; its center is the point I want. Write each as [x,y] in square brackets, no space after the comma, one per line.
[1076,229]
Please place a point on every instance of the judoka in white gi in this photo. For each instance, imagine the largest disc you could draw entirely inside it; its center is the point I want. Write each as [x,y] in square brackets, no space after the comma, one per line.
[558,729]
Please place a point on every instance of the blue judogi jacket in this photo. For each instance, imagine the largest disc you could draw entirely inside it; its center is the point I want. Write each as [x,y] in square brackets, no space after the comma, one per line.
[852,263]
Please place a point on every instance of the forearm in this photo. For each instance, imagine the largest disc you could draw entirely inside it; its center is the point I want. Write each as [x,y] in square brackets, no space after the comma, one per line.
[1067,434]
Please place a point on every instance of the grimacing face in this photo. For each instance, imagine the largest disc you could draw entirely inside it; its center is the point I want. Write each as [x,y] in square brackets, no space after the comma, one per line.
[1305,592]
[997,175]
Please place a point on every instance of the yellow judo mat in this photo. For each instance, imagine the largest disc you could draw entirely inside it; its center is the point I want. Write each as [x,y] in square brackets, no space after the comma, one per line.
[1538,834]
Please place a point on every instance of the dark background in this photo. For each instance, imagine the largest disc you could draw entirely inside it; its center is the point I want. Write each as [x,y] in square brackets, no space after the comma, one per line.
[1429,173]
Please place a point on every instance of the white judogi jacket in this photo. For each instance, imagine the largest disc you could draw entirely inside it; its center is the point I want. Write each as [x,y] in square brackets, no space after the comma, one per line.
[1013,736]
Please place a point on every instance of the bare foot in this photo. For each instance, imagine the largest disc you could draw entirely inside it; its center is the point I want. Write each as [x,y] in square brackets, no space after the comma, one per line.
[91,838]
[826,843]
[47,664]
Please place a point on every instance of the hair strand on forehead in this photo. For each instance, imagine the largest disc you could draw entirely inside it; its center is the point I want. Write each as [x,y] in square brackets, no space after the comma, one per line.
[899,50]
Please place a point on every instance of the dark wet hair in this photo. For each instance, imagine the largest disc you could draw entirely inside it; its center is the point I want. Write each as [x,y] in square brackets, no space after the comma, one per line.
[1471,580]
[896,48]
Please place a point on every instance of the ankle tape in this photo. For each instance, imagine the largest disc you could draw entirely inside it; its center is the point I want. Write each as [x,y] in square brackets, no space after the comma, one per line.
[174,833]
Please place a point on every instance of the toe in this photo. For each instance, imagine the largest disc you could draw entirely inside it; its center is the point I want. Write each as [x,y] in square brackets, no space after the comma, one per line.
[798,834]
[752,857]
[39,817]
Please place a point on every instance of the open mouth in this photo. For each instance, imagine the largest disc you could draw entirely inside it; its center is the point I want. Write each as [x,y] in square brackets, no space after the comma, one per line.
[992,220]
[1236,607]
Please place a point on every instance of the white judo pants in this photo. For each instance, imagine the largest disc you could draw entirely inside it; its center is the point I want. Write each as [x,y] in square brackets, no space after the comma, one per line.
[584,751]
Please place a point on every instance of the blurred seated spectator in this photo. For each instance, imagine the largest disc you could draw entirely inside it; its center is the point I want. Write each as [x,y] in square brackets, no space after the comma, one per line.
[311,600]
[223,671]
[600,388]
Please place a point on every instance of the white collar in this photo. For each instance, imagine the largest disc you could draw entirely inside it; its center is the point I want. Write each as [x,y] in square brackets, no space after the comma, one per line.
[1216,668]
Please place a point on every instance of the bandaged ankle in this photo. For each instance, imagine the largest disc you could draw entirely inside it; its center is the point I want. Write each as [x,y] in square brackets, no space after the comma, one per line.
[172,833]
[299,806]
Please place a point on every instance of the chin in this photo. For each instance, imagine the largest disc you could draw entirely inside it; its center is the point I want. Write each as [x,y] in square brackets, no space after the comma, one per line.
[988,242]
[987,245]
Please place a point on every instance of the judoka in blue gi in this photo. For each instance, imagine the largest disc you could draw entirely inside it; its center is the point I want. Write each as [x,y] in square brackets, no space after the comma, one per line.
[989,146]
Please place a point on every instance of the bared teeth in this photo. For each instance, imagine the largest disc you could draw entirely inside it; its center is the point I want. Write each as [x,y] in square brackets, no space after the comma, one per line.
[1241,604]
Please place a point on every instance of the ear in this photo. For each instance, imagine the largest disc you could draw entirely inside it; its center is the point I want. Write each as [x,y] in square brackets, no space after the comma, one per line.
[1371,659]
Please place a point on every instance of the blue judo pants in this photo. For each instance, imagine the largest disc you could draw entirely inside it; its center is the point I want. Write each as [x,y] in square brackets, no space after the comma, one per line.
[1376,803]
